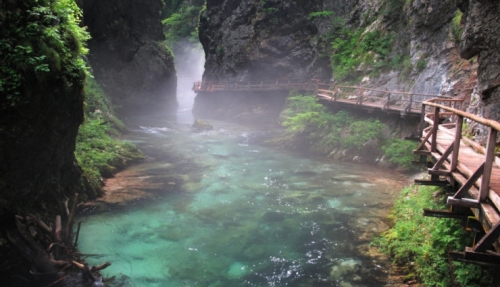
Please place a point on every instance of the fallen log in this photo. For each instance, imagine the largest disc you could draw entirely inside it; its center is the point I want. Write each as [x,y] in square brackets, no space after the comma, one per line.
[50,249]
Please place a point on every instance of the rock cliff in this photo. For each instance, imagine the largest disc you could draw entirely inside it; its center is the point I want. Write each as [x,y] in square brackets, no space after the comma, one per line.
[127,53]
[481,38]
[41,106]
[253,40]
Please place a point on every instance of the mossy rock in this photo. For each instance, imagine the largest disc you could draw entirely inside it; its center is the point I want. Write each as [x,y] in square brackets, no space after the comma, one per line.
[201,125]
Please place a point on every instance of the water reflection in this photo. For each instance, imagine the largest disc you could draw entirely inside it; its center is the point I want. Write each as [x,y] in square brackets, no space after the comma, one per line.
[239,214]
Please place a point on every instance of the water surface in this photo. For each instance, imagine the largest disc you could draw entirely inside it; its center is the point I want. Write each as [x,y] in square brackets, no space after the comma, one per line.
[228,211]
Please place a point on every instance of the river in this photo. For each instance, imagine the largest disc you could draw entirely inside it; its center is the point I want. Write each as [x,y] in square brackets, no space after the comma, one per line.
[219,209]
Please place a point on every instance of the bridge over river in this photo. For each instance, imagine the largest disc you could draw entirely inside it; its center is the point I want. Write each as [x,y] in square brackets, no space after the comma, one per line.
[468,169]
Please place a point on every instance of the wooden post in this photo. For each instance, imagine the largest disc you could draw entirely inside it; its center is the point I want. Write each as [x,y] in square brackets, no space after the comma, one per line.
[456,143]
[422,121]
[488,164]
[388,99]
[435,130]
[411,102]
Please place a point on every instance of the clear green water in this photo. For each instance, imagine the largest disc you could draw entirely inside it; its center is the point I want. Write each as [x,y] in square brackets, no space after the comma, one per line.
[246,215]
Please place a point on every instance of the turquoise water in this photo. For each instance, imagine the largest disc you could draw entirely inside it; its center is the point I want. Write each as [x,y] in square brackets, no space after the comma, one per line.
[227,211]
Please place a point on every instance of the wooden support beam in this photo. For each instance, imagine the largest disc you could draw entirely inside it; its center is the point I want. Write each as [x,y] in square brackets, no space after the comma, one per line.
[464,202]
[475,258]
[470,182]
[488,239]
[444,157]
[444,214]
[474,225]
[427,136]
[431,182]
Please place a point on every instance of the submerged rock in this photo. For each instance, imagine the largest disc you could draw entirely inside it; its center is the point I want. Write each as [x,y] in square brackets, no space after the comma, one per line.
[237,270]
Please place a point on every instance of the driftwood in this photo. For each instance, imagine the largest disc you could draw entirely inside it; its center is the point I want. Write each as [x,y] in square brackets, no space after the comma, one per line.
[50,248]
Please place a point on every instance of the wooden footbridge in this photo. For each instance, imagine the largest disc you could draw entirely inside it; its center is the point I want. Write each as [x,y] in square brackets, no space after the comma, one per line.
[403,103]
[471,171]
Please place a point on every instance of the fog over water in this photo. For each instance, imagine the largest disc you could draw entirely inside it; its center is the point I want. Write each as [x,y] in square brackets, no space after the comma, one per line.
[228,211]
[189,69]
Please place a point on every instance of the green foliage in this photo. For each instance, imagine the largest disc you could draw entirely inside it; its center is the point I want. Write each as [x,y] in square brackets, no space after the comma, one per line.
[304,116]
[399,152]
[97,151]
[422,243]
[421,64]
[42,36]
[182,24]
[351,48]
[320,14]
[456,26]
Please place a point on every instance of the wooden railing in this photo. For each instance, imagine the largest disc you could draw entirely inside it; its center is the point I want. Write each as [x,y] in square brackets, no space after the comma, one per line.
[474,168]
[277,85]
[404,102]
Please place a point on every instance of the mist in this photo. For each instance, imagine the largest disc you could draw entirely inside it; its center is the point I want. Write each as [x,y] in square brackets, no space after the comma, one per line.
[190,66]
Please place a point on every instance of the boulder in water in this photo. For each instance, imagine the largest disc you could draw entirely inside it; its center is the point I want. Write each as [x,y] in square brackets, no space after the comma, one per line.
[201,125]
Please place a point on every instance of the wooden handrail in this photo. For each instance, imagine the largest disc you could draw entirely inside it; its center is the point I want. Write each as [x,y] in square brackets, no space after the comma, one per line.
[483,121]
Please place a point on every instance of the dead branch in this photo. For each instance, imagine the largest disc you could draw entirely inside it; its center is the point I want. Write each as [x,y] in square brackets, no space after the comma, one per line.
[58,227]
[100,267]
[85,269]
[66,205]
[69,222]
[77,233]
[41,224]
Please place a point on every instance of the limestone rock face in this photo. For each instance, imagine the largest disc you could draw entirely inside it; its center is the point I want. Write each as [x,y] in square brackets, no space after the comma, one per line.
[481,38]
[253,40]
[127,54]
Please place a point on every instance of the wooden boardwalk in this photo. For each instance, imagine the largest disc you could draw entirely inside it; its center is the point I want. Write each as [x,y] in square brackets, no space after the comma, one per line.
[403,103]
[474,171]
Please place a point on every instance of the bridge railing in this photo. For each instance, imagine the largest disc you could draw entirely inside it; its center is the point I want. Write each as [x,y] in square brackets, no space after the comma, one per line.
[405,102]
[277,85]
[477,190]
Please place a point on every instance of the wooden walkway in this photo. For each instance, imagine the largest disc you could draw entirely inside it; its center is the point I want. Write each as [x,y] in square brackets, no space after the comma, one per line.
[403,103]
[474,171]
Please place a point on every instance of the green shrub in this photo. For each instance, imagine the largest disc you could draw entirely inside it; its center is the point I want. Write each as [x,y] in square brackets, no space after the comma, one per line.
[39,38]
[97,151]
[422,243]
[305,117]
[400,152]
[351,48]
[182,23]
[456,26]
[320,14]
